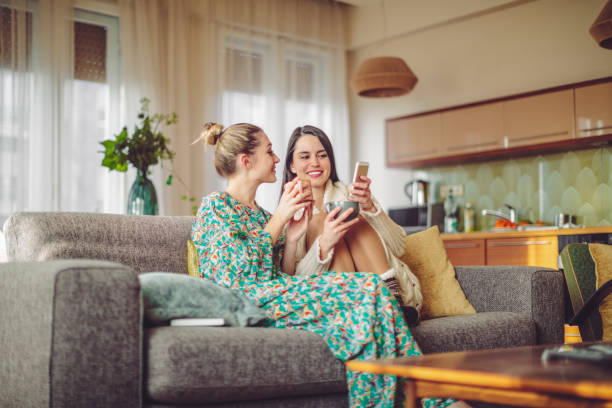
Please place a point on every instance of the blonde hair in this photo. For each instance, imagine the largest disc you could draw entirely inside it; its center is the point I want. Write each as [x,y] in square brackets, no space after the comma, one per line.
[229,143]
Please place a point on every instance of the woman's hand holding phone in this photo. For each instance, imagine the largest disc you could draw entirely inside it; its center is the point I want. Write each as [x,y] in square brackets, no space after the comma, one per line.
[360,188]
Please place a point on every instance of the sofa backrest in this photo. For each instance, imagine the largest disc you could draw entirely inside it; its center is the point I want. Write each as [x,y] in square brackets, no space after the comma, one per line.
[145,243]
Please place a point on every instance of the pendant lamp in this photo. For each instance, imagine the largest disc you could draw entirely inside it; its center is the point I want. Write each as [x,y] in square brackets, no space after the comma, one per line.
[383,77]
[601,30]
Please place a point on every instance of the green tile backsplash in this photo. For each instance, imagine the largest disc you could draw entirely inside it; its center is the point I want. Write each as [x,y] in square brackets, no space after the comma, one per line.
[577,182]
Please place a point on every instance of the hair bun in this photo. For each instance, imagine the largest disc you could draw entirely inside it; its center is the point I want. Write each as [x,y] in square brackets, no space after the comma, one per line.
[211,132]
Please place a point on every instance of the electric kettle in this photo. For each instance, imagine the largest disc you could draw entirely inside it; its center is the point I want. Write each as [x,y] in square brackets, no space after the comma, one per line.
[417,192]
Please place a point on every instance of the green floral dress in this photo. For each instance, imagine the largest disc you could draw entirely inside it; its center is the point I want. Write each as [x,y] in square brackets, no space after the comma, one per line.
[353,312]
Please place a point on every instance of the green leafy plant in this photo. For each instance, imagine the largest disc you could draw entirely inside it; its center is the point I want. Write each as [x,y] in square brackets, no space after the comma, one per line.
[145,147]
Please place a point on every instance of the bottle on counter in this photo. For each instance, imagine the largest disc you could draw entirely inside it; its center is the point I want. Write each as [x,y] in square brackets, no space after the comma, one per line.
[468,218]
[451,212]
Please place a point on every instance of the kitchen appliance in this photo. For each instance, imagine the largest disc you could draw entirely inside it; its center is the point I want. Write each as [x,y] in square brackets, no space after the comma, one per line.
[417,192]
[419,217]
[565,220]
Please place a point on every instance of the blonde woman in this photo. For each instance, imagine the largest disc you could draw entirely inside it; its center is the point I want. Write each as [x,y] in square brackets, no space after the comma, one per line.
[242,246]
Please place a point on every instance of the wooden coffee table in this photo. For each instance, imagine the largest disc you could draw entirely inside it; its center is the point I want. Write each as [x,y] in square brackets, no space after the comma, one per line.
[514,376]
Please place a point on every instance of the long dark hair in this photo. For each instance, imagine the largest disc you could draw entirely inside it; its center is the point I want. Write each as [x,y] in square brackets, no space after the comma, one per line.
[319,134]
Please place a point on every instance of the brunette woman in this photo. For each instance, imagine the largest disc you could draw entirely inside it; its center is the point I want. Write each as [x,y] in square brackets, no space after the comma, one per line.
[373,245]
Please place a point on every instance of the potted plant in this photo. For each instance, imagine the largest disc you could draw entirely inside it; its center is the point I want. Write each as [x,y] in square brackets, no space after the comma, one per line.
[145,146]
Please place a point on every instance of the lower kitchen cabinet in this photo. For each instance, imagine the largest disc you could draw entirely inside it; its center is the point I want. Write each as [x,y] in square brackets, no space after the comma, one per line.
[527,251]
[468,252]
[530,251]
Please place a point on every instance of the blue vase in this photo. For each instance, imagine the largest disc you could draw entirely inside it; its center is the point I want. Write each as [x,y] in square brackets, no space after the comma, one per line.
[142,199]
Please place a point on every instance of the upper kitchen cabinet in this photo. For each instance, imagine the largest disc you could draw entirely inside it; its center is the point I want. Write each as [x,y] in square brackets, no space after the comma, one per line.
[594,110]
[472,129]
[538,119]
[572,116]
[413,139]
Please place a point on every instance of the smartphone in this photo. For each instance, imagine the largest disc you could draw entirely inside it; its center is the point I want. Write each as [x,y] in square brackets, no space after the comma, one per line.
[361,169]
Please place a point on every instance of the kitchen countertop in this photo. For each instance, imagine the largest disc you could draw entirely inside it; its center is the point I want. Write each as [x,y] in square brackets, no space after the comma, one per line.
[509,233]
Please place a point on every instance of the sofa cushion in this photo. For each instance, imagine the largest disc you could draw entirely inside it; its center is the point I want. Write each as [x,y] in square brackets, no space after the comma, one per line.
[193,365]
[308,401]
[475,331]
[169,296]
[145,243]
[426,257]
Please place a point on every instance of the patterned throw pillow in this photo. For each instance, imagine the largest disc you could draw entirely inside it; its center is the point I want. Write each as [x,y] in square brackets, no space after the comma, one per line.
[602,255]
[426,257]
[588,275]
[168,296]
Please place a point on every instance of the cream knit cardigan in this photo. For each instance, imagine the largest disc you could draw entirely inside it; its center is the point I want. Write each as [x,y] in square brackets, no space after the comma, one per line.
[391,235]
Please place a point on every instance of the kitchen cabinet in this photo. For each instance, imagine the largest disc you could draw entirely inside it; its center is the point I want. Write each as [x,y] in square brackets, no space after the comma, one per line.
[527,251]
[593,109]
[412,139]
[527,248]
[537,119]
[472,129]
[530,251]
[560,118]
[466,252]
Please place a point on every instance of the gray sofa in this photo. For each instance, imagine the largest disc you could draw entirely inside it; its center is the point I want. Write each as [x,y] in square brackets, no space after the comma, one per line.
[72,328]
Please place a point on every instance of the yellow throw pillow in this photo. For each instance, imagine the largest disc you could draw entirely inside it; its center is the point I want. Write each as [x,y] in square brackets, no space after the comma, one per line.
[426,257]
[602,255]
[193,265]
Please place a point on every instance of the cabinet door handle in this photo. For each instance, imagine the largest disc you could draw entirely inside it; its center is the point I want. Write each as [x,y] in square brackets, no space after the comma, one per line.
[465,146]
[515,243]
[462,245]
[538,136]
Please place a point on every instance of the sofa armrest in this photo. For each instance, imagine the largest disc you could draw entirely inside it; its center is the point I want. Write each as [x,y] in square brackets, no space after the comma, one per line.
[71,334]
[537,292]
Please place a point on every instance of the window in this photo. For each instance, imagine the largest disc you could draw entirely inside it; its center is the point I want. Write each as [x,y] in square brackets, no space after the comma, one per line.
[49,133]
[244,84]
[16,85]
[85,184]
[276,84]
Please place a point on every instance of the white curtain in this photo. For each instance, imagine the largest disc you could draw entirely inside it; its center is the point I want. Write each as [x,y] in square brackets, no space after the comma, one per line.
[48,145]
[278,64]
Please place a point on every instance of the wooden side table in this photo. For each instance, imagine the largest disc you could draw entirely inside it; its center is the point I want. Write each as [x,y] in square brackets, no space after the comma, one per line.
[514,376]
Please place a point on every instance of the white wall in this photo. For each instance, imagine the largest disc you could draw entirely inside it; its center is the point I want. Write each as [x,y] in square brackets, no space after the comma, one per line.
[476,54]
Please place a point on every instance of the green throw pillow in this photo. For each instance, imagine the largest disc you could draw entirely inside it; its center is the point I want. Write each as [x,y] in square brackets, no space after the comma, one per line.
[168,296]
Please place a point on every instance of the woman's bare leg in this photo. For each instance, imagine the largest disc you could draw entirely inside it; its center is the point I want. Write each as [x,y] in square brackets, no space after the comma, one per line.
[342,260]
[366,249]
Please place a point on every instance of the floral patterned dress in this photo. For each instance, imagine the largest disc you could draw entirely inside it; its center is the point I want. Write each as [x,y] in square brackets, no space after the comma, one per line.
[353,312]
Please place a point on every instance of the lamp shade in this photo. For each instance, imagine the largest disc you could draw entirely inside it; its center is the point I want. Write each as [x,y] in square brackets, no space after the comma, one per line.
[382,77]
[601,30]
